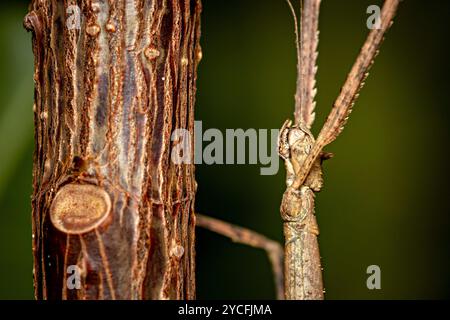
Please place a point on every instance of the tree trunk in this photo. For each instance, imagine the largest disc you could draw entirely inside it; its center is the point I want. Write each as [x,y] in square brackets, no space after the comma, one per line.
[113,216]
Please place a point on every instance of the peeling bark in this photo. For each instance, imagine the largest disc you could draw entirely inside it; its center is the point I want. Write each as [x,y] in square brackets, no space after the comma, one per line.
[107,199]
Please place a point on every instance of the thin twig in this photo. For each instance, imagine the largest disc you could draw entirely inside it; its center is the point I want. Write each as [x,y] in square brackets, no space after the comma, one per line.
[251,238]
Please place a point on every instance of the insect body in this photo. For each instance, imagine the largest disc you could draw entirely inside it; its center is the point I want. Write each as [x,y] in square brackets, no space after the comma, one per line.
[303,154]
[303,277]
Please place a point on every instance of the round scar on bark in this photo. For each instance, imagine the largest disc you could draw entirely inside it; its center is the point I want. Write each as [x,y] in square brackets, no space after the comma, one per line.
[79,208]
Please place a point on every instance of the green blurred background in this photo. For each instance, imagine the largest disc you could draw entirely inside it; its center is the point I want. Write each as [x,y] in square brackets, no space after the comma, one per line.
[385,200]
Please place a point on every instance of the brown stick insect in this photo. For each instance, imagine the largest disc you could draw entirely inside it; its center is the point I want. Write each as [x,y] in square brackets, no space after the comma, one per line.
[303,154]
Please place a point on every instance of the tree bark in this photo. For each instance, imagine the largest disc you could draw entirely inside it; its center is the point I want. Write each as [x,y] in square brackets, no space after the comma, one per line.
[107,201]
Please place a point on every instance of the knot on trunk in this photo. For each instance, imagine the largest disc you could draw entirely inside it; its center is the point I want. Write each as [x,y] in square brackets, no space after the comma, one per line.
[80,208]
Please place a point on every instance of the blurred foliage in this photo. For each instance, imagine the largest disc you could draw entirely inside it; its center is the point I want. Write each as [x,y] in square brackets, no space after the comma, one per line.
[16,145]
[384,200]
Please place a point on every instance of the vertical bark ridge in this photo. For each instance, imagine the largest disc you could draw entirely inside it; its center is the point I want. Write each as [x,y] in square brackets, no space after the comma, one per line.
[108,96]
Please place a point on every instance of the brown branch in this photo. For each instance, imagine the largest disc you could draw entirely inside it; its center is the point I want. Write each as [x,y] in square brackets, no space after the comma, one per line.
[251,238]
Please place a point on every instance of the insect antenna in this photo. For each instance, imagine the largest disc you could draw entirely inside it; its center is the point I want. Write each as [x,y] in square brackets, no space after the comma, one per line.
[297,37]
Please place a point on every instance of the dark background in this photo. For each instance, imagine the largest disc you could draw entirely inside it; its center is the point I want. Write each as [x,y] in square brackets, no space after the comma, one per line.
[385,199]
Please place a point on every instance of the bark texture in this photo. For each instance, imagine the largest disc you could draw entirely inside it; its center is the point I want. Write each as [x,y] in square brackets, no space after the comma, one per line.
[107,200]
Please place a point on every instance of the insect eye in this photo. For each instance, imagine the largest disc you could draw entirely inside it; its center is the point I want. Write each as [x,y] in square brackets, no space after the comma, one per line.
[295,136]
[308,148]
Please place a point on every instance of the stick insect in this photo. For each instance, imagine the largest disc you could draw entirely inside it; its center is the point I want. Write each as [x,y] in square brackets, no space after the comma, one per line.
[303,154]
